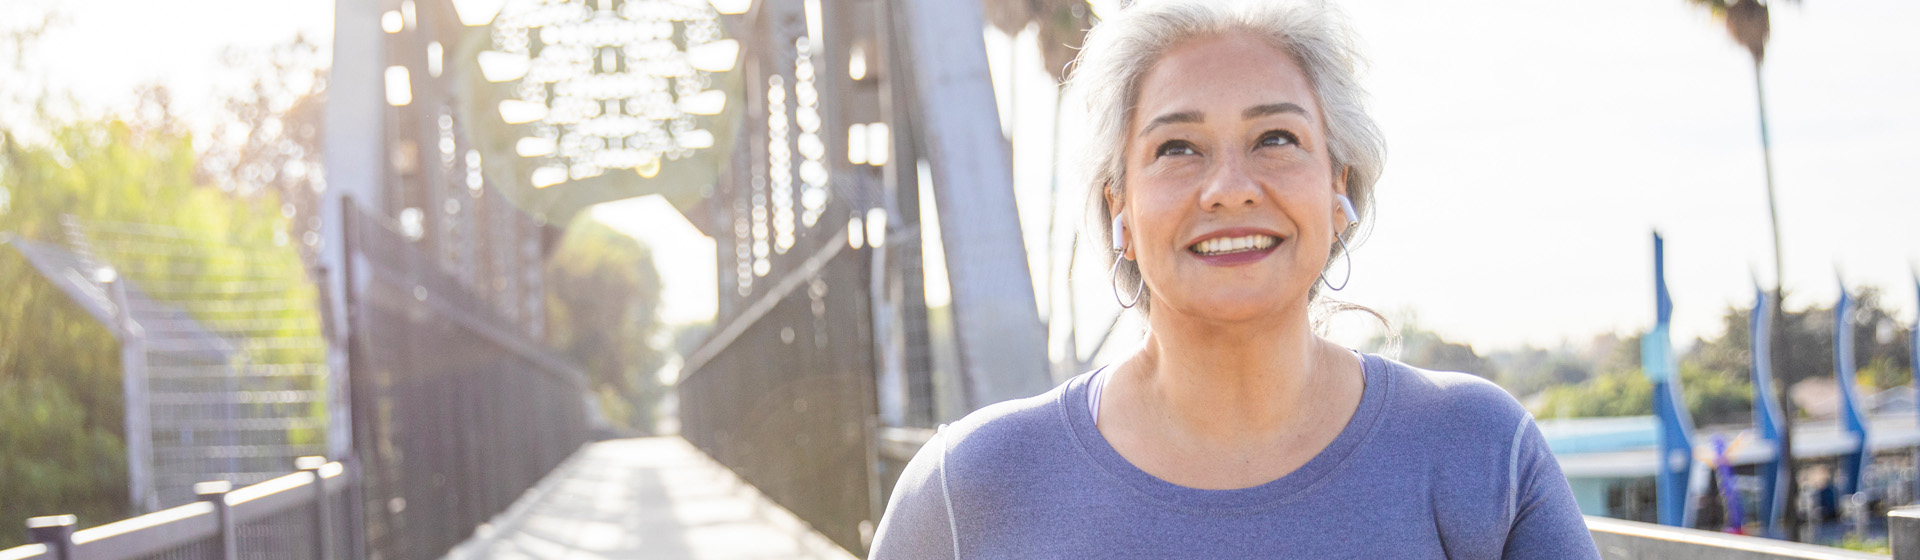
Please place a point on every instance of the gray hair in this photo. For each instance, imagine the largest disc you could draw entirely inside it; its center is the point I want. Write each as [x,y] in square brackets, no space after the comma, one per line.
[1120,51]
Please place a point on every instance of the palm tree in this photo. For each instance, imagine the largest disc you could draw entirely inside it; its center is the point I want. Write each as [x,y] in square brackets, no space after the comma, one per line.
[1749,24]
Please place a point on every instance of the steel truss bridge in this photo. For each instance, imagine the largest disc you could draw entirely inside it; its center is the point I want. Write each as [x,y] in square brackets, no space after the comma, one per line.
[451,424]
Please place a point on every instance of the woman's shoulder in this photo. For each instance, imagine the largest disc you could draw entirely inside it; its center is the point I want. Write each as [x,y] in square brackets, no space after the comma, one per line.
[1450,399]
[972,468]
[998,447]
[1009,426]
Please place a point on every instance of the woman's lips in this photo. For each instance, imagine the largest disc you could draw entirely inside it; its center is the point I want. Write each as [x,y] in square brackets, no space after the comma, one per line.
[1234,248]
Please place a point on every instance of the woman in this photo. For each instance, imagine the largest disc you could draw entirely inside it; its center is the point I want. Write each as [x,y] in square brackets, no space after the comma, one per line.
[1231,156]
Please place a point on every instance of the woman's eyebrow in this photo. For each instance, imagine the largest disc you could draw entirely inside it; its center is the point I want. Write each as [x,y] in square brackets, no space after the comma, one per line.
[1253,112]
[1170,118]
[1258,111]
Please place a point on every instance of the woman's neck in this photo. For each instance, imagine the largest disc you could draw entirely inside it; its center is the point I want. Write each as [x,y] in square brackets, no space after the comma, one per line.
[1233,382]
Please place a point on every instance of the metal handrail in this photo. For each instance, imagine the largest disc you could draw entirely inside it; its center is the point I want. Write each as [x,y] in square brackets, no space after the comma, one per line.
[1619,538]
[25,552]
[203,522]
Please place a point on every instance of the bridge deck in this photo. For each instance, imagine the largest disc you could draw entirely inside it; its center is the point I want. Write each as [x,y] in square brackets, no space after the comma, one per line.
[652,497]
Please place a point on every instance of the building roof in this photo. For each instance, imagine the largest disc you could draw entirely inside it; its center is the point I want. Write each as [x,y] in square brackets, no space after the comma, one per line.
[1625,447]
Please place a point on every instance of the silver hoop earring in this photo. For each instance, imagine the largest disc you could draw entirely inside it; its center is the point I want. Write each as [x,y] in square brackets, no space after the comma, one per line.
[1349,278]
[1113,279]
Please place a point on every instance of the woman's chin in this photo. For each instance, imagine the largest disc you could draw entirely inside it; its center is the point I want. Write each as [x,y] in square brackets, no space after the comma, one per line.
[1231,308]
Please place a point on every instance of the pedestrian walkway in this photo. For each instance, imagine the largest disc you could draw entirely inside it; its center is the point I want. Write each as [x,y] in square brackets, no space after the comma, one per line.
[649,498]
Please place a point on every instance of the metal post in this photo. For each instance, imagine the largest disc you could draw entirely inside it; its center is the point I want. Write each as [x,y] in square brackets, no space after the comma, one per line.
[356,167]
[54,531]
[356,514]
[900,195]
[322,510]
[1903,532]
[1806,512]
[144,496]
[215,492]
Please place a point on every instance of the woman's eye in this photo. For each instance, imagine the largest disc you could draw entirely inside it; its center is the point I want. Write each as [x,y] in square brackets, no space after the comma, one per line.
[1174,148]
[1278,138]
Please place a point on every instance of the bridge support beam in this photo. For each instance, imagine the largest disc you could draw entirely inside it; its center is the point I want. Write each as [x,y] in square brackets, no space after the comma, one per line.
[1002,345]
[355,169]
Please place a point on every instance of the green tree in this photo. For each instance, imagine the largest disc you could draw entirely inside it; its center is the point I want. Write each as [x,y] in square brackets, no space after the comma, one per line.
[62,448]
[1621,393]
[1712,397]
[1427,349]
[1880,349]
[603,299]
[1529,370]
[1716,373]
[62,440]
[271,134]
[111,172]
[1749,23]
[76,465]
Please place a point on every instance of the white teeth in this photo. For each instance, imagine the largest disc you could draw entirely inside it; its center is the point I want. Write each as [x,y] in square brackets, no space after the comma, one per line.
[1224,245]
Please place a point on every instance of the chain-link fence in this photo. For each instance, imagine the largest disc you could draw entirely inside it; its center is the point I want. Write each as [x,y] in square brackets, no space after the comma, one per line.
[455,414]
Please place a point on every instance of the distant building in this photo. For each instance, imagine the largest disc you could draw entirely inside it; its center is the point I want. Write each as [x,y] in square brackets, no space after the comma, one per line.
[1610,462]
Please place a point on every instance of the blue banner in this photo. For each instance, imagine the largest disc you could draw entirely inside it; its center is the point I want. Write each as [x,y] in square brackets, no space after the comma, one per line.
[1853,466]
[1766,417]
[1669,407]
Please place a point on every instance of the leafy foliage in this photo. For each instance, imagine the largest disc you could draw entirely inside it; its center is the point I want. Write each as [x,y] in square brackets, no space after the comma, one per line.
[272,133]
[62,431]
[1605,378]
[61,417]
[1748,23]
[1423,348]
[1530,370]
[77,464]
[1715,374]
[603,300]
[57,355]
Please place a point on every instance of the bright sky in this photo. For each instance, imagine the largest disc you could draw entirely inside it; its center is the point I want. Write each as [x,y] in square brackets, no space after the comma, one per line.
[684,257]
[107,48]
[1533,146]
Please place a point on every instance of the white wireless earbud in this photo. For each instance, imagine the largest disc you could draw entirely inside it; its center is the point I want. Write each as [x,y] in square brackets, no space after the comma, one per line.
[1346,205]
[1118,241]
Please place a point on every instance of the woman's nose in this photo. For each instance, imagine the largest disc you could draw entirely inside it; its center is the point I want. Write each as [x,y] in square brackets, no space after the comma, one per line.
[1230,185]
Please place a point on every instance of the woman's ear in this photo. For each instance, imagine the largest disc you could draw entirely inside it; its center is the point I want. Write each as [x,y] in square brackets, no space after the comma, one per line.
[1343,213]
[1114,201]
[1116,209]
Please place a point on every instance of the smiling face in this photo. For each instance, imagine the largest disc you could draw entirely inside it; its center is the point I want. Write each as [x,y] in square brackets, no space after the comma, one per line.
[1229,197]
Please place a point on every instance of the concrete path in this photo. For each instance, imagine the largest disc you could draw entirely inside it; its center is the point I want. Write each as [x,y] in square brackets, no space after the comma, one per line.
[645,498]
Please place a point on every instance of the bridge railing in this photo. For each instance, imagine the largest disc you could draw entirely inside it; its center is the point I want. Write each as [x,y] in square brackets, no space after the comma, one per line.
[1621,539]
[456,410]
[783,397]
[306,515]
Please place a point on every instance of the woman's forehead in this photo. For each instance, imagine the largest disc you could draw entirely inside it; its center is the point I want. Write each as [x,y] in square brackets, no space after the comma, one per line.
[1223,77]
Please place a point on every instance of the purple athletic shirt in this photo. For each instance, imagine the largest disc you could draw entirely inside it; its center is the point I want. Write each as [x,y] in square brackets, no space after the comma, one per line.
[1432,465]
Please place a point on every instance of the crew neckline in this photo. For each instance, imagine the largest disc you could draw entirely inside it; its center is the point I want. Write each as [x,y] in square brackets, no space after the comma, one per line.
[1074,404]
